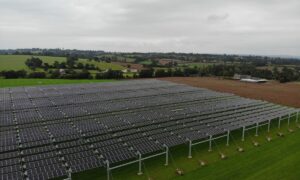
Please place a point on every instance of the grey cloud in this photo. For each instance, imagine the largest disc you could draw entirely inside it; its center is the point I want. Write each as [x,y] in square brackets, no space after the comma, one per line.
[215,26]
[216,17]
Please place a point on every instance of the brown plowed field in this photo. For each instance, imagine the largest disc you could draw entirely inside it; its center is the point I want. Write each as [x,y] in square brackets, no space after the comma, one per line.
[285,94]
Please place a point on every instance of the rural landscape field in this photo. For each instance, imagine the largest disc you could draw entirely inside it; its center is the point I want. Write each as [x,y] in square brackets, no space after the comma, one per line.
[286,94]
[149,90]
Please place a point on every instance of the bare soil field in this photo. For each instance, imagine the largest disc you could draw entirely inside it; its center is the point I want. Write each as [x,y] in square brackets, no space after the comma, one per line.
[285,94]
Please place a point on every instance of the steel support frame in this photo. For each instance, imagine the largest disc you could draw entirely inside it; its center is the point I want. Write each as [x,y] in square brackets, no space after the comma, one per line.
[289,116]
[139,161]
[209,140]
[69,175]
[244,129]
[269,125]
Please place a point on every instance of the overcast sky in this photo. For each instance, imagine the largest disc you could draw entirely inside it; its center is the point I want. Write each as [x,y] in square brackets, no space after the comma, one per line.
[268,27]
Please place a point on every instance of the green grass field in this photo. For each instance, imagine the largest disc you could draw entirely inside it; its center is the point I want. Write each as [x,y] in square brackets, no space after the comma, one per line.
[35,82]
[278,159]
[120,58]
[103,65]
[146,62]
[17,62]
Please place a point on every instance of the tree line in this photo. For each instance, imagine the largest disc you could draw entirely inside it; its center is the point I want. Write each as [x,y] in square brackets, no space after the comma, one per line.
[34,63]
[72,69]
[285,75]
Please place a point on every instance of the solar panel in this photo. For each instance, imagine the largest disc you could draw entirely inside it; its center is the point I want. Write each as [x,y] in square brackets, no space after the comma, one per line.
[47,130]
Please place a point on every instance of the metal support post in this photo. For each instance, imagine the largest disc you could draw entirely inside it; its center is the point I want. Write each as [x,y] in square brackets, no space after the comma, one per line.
[269,125]
[70,174]
[228,133]
[167,156]
[140,164]
[190,149]
[139,160]
[256,133]
[289,118]
[210,141]
[243,134]
[107,169]
[279,122]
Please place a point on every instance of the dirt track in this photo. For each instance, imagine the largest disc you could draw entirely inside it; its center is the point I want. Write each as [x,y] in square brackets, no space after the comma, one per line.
[285,94]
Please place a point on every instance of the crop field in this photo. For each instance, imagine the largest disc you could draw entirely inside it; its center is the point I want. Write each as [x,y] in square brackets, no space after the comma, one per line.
[17,62]
[285,94]
[37,82]
[84,131]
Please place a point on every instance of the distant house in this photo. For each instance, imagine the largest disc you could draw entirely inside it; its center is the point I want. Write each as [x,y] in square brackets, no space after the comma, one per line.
[62,72]
[130,70]
[133,70]
[248,78]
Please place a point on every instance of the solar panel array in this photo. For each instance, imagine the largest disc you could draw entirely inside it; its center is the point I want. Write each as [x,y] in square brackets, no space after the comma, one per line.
[47,131]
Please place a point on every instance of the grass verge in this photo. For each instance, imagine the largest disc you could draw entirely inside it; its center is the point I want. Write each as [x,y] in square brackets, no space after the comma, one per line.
[35,82]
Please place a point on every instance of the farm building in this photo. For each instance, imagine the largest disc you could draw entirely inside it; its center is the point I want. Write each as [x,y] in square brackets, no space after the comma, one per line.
[55,131]
[240,76]
[254,80]
[130,70]
[248,78]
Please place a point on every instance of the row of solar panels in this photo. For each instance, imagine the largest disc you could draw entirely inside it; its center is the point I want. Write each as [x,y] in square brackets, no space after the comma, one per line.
[117,149]
[103,95]
[38,117]
[116,95]
[108,120]
[50,113]
[104,88]
[33,138]
[142,147]
[48,146]
[60,101]
[111,122]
